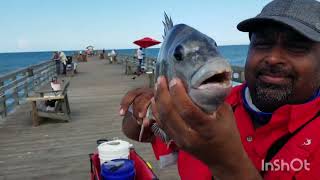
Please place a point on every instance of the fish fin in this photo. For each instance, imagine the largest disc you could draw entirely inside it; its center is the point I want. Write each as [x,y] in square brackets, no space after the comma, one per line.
[167,23]
[165,30]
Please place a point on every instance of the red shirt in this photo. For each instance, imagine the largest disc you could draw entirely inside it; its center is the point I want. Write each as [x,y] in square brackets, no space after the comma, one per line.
[298,159]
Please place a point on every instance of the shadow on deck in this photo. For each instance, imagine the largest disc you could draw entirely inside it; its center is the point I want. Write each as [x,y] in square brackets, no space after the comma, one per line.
[60,150]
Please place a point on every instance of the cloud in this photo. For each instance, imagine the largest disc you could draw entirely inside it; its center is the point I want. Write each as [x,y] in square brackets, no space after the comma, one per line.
[23,44]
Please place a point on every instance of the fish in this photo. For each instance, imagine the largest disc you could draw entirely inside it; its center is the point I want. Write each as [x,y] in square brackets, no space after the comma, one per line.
[194,58]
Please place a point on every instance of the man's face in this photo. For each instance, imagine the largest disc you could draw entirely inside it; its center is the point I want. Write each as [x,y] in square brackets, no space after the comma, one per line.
[282,67]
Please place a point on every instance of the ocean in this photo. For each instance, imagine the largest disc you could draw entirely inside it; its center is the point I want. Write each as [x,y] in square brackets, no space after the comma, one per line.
[236,54]
[13,61]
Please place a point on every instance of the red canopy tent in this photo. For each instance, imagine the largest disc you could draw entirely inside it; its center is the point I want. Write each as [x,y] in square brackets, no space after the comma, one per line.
[146,42]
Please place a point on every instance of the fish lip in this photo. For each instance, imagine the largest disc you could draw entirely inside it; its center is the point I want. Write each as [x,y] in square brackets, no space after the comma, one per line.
[215,66]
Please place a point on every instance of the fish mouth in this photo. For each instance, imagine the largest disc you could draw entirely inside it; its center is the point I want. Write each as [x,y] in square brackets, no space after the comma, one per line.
[211,83]
[218,79]
[214,74]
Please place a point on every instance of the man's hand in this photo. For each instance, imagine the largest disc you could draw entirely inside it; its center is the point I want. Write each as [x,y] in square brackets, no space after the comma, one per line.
[212,138]
[138,100]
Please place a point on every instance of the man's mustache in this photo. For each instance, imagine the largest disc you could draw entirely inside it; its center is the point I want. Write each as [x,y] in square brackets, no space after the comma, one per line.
[275,70]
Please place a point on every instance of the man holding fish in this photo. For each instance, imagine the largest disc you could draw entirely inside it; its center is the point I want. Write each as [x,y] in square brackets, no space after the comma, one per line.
[266,128]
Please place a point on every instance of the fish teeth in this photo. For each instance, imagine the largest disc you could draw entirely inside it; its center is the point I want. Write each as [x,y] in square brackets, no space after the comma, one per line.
[226,84]
[219,72]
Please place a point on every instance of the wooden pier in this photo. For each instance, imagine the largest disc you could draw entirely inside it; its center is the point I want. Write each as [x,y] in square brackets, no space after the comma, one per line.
[56,150]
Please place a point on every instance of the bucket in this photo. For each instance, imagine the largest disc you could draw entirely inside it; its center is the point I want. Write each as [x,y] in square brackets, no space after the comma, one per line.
[116,149]
[118,169]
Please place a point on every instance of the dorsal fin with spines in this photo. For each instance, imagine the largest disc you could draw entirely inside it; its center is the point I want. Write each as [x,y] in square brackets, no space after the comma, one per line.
[167,23]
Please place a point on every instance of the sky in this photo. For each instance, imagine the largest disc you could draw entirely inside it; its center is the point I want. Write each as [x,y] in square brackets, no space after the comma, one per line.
[43,25]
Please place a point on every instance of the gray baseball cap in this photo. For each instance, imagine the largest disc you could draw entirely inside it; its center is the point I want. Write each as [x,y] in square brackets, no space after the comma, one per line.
[301,15]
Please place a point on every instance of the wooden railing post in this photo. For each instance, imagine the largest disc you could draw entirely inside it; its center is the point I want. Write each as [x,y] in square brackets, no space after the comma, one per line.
[3,105]
[53,69]
[15,91]
[26,84]
[150,71]
[242,77]
[126,68]
[51,73]
[151,78]
[148,65]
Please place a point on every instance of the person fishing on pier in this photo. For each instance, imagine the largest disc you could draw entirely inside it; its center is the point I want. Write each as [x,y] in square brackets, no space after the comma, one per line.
[268,126]
[63,60]
[57,61]
[140,56]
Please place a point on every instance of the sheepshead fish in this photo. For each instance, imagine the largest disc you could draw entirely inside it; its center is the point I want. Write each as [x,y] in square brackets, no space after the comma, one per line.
[194,58]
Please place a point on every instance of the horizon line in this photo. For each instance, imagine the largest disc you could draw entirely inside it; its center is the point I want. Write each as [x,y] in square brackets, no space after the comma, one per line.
[100,49]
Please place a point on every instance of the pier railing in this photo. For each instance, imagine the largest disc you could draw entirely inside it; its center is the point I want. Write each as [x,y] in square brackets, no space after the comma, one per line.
[15,86]
[130,64]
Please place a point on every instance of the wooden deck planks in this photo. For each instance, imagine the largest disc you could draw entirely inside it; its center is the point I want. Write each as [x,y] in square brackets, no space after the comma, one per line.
[57,150]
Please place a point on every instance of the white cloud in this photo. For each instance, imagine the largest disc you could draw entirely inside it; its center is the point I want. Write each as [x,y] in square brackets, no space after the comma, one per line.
[23,44]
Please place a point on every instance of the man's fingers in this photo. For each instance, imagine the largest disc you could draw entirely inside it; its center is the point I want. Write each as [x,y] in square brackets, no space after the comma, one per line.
[188,111]
[224,111]
[170,119]
[141,103]
[163,99]
[129,98]
[155,112]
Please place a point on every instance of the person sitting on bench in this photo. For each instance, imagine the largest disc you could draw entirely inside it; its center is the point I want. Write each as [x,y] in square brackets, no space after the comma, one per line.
[71,66]
[56,86]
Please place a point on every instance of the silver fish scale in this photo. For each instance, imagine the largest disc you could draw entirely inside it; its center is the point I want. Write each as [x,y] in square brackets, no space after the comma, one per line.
[157,131]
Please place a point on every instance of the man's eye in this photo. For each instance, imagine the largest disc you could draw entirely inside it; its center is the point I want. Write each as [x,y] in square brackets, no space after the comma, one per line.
[298,48]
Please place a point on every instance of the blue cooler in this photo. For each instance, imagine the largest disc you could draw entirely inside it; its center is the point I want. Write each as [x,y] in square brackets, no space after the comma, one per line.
[118,169]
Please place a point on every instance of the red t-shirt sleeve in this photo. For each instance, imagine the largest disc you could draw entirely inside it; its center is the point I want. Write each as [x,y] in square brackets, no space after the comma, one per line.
[160,148]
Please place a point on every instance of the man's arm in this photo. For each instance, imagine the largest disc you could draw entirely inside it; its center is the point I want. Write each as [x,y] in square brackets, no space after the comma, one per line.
[212,138]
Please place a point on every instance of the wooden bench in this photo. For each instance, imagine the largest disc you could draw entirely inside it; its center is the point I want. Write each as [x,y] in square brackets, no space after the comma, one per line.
[61,110]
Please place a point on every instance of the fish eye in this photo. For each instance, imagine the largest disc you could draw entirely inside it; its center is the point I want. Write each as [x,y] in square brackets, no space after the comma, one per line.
[178,53]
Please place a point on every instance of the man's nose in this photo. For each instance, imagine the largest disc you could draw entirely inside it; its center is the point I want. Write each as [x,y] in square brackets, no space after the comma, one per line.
[276,55]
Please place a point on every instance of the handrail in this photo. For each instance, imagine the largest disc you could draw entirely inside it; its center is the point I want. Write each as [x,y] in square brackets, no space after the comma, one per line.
[15,86]
[130,63]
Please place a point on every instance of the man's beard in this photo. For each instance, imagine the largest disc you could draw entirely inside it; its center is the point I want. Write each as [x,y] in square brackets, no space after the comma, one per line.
[269,97]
